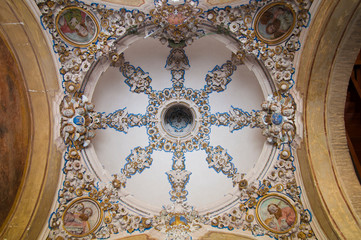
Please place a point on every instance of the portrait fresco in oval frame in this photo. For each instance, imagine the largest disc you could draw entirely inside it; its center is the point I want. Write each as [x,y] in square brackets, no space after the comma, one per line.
[82,217]
[77,26]
[276,213]
[275,22]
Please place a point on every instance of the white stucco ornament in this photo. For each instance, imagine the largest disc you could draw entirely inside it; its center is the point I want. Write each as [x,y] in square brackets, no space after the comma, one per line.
[177,119]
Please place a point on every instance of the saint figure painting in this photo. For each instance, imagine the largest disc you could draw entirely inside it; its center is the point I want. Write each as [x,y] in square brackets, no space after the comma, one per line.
[77,26]
[82,217]
[276,213]
[275,23]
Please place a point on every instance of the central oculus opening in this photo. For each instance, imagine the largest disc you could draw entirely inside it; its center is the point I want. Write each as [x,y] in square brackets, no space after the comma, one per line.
[178,120]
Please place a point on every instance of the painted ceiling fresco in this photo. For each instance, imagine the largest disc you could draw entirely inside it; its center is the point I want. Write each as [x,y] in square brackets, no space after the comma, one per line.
[90,39]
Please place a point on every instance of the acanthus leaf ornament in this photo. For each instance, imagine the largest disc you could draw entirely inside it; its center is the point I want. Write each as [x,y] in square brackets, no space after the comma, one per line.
[118,120]
[137,161]
[218,79]
[138,80]
[220,160]
[178,178]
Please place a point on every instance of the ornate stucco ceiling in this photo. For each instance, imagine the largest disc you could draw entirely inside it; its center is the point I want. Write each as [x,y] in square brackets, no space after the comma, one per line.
[183,96]
[205,185]
[178,118]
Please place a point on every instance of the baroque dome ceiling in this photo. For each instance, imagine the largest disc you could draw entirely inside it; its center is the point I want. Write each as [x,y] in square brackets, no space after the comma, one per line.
[112,147]
[178,117]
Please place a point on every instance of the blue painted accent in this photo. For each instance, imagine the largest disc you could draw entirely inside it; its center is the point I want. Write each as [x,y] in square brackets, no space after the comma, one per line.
[121,109]
[65,160]
[309,20]
[42,24]
[181,218]
[139,116]
[181,80]
[185,183]
[221,169]
[79,120]
[166,62]
[310,214]
[55,51]
[51,216]
[216,68]
[277,118]
[128,160]
[129,71]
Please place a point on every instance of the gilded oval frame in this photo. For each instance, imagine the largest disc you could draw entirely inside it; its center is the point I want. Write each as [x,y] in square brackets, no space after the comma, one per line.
[285,35]
[98,222]
[71,41]
[286,201]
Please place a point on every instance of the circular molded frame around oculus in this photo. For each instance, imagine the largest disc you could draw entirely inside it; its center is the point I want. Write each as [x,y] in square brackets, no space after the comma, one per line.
[178,120]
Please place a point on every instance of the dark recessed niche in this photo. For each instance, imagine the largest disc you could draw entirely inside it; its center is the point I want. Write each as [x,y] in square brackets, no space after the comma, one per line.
[178,120]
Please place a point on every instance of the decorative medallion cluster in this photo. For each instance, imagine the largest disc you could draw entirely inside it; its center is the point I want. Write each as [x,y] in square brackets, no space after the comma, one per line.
[82,34]
[178,24]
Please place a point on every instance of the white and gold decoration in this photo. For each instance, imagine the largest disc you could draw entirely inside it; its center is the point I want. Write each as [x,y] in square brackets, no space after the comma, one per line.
[179,119]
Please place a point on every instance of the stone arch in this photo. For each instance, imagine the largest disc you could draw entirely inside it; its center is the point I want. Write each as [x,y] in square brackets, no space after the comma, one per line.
[331,48]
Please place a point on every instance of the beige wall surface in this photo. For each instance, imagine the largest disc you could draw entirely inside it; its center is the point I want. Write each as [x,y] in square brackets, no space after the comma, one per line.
[23,34]
[325,67]
[14,129]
